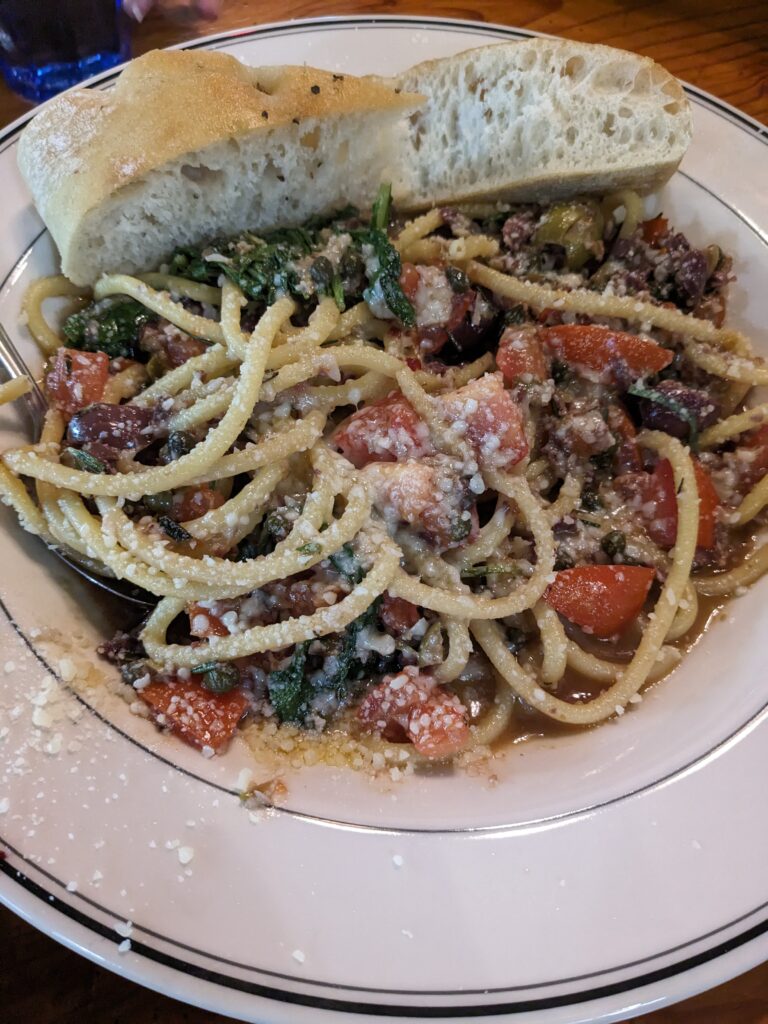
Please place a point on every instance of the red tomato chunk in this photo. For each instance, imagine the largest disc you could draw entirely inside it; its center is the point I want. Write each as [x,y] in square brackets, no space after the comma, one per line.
[605,350]
[520,356]
[411,704]
[602,599]
[655,495]
[76,379]
[494,423]
[389,430]
[202,718]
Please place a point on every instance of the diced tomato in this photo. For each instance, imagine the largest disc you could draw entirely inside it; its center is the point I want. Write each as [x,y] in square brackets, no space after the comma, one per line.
[198,716]
[389,430]
[398,615]
[193,502]
[520,355]
[709,502]
[409,704]
[658,503]
[605,350]
[76,379]
[602,599]
[494,422]
[429,496]
[654,230]
[409,280]
[205,622]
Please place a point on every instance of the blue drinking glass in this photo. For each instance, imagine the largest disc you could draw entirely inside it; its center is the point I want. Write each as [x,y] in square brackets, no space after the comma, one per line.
[49,45]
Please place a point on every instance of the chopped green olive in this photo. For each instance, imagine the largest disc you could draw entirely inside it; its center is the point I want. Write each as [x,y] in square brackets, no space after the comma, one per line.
[577,227]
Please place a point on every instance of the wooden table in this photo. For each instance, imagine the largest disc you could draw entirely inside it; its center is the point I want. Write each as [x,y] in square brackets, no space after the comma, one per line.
[722,48]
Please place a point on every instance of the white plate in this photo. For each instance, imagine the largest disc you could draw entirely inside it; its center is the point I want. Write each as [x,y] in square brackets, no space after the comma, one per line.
[602,875]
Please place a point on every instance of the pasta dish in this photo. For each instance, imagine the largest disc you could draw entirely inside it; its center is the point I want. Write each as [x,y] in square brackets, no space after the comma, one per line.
[404,480]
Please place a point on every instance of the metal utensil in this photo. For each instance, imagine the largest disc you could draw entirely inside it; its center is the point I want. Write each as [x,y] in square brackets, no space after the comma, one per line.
[36,406]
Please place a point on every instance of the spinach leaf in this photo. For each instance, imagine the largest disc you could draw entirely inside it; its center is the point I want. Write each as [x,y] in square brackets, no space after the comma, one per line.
[289,691]
[381,207]
[347,564]
[113,329]
[274,528]
[386,279]
[188,262]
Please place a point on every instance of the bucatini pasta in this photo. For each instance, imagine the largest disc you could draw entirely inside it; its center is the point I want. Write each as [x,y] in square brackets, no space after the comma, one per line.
[405,481]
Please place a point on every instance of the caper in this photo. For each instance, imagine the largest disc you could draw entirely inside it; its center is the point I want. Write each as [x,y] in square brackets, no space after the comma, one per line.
[457,279]
[159,503]
[322,274]
[614,544]
[180,442]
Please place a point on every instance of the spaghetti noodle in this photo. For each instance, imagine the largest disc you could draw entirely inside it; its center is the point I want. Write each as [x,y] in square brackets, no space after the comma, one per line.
[404,482]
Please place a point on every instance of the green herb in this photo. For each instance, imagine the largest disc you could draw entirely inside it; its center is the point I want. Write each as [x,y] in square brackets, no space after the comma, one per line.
[460,528]
[384,283]
[591,501]
[113,328]
[190,263]
[291,689]
[274,528]
[347,564]
[327,281]
[667,402]
[174,530]
[218,676]
[515,316]
[614,544]
[288,691]
[311,548]
[490,570]
[349,666]
[86,462]
[457,279]
[381,208]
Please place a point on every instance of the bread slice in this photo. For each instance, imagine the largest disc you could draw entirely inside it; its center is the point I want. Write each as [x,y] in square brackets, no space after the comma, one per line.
[539,119]
[192,145]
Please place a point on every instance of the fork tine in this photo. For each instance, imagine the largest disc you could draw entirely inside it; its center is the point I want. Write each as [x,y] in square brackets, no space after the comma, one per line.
[14,366]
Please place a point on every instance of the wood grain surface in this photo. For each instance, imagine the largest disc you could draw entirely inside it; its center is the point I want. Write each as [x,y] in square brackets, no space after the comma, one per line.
[720,47]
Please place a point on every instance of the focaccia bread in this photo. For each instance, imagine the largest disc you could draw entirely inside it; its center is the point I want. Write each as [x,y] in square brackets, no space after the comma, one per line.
[192,145]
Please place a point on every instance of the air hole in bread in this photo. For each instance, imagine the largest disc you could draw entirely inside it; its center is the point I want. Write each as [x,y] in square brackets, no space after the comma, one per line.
[574,68]
[672,108]
[609,125]
[642,83]
[625,112]
[311,140]
[201,174]
[570,134]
